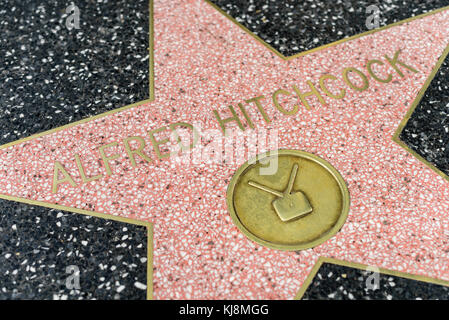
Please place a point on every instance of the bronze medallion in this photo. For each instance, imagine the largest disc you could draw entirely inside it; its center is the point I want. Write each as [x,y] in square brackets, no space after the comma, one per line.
[294,204]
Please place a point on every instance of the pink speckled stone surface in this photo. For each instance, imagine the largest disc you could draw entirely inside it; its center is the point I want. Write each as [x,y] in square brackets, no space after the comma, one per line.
[398,217]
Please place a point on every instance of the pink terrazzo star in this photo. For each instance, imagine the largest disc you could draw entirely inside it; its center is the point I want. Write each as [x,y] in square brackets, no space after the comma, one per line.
[398,217]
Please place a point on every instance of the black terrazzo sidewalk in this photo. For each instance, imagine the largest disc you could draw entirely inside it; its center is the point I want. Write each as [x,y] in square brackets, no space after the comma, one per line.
[52,76]
[427,130]
[335,282]
[38,244]
[294,26]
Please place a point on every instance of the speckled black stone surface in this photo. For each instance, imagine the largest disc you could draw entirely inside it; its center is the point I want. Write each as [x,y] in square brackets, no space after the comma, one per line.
[51,76]
[293,26]
[37,244]
[335,282]
[427,130]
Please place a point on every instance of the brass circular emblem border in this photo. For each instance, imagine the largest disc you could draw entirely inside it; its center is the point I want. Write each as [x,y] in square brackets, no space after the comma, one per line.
[327,234]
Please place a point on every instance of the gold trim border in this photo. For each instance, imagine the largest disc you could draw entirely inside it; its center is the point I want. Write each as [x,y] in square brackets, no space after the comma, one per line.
[323,260]
[303,53]
[149,225]
[410,111]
